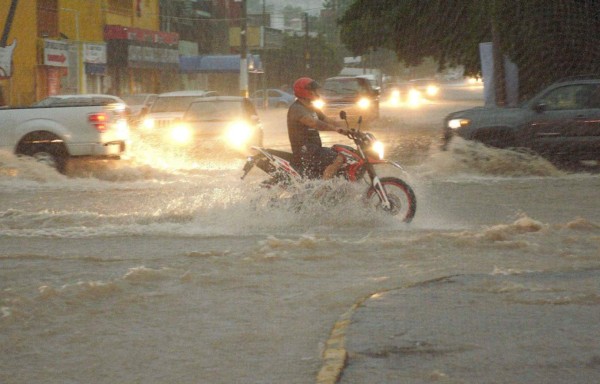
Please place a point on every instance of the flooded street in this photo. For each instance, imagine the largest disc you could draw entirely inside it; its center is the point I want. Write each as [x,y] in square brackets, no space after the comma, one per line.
[165,269]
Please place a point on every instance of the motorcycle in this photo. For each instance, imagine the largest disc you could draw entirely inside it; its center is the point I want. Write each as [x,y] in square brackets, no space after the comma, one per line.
[389,194]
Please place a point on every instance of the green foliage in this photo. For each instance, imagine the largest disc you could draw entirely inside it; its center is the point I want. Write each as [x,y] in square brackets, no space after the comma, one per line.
[547,39]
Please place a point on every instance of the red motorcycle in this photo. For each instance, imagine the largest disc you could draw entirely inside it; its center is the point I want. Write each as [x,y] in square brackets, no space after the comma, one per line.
[390,194]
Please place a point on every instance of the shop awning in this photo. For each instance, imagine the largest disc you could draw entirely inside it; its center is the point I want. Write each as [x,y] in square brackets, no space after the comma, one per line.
[217,64]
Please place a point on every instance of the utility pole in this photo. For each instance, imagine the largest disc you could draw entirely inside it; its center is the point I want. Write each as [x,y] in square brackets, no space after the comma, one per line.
[244,50]
[264,74]
[306,43]
[498,58]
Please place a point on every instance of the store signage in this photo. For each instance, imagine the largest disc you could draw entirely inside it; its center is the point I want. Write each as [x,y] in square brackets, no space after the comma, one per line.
[153,55]
[94,53]
[56,53]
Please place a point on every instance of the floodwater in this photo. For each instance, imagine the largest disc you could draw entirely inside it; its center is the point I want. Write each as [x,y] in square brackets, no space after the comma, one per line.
[164,269]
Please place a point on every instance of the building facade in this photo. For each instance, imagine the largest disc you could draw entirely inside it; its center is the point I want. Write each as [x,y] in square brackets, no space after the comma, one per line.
[83,46]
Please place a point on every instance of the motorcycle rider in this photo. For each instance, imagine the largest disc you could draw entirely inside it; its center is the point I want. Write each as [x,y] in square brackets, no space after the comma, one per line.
[304,121]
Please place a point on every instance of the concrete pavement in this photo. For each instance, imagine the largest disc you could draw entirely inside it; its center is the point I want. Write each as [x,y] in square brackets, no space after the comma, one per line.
[525,328]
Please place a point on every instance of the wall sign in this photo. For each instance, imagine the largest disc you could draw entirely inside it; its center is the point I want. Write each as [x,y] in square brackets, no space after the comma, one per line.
[56,53]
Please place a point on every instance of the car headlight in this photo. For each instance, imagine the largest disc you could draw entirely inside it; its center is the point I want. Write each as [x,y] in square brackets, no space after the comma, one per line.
[458,123]
[414,97]
[319,103]
[148,123]
[432,90]
[238,134]
[181,133]
[364,103]
[378,149]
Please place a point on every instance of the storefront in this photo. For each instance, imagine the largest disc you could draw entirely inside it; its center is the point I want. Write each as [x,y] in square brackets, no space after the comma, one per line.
[94,67]
[141,61]
[219,73]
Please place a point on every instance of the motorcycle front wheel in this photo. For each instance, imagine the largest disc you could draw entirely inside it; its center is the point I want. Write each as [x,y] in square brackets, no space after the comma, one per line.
[401,196]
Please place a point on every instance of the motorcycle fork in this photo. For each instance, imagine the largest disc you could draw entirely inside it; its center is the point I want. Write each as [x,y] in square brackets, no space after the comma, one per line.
[376,183]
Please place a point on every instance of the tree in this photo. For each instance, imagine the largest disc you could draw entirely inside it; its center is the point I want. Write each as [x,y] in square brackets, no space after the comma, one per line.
[547,39]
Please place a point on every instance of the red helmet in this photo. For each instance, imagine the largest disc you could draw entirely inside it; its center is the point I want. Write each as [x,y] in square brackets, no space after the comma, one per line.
[304,88]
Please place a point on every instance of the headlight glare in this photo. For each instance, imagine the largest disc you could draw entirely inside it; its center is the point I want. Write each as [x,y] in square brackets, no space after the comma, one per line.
[378,148]
[319,103]
[432,90]
[414,97]
[148,123]
[364,103]
[181,133]
[238,134]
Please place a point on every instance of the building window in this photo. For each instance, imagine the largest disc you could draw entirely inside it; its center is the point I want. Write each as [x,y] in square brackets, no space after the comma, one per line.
[47,18]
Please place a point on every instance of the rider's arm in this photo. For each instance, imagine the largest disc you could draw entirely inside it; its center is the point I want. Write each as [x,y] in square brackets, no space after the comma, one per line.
[321,125]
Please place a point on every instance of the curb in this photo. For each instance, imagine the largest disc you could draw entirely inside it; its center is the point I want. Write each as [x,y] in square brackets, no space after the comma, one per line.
[335,355]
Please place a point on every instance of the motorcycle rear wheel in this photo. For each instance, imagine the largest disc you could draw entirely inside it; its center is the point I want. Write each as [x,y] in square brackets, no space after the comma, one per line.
[401,196]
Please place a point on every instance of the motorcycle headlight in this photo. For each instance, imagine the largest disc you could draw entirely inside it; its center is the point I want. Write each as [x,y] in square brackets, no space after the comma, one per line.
[148,123]
[458,123]
[377,148]
[181,133]
[319,103]
[238,134]
[364,103]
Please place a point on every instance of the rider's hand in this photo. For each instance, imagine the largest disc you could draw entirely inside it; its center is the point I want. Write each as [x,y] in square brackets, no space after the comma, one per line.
[342,131]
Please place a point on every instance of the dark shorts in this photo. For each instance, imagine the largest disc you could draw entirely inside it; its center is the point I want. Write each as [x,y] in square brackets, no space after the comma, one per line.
[313,164]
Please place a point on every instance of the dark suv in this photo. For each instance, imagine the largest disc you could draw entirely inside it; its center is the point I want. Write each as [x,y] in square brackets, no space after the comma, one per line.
[561,123]
[352,94]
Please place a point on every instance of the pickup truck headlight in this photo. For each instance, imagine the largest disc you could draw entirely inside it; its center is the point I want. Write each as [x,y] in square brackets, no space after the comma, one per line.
[458,123]
[364,103]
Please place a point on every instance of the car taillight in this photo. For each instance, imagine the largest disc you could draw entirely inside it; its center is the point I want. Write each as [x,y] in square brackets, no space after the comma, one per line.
[99,121]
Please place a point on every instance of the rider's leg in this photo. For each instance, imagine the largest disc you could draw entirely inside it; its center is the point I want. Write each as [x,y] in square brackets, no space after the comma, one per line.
[332,168]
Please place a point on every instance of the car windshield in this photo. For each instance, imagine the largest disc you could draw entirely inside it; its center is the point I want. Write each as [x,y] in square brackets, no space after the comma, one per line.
[173,103]
[215,111]
[342,87]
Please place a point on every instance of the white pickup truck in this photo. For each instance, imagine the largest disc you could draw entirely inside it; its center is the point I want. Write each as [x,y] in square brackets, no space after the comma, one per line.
[56,133]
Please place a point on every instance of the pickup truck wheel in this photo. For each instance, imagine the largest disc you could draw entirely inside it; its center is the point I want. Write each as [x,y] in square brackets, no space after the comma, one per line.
[52,154]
